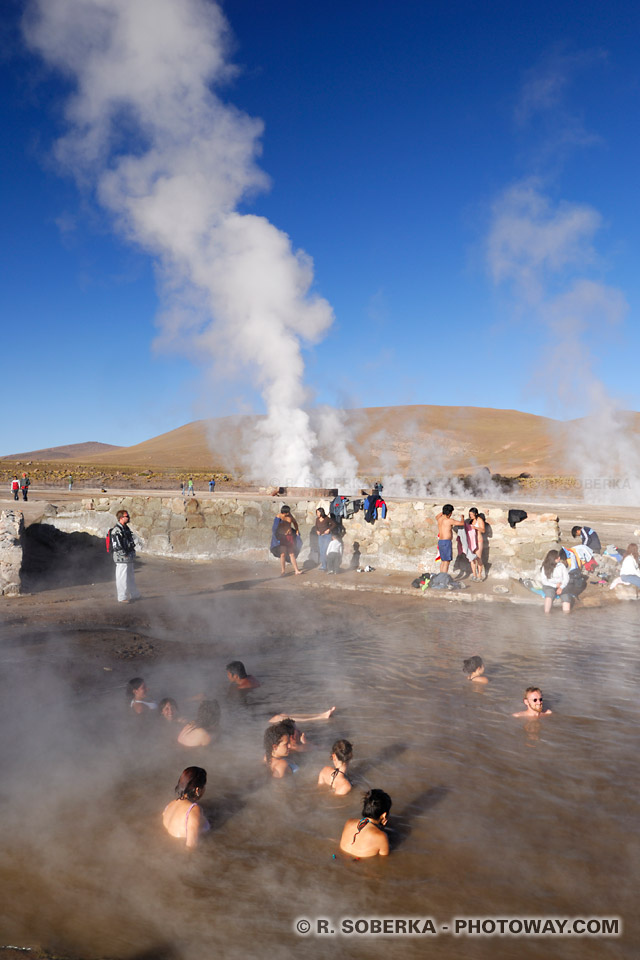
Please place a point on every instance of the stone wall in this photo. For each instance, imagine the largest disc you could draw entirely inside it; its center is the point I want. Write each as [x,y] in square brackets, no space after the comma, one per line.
[11,530]
[240,527]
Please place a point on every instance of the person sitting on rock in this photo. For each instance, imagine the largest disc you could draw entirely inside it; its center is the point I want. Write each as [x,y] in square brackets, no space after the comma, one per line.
[533,704]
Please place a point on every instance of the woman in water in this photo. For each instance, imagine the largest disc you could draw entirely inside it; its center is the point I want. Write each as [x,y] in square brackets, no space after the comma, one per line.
[554,577]
[201,732]
[335,776]
[137,693]
[183,818]
[366,837]
[285,539]
[276,751]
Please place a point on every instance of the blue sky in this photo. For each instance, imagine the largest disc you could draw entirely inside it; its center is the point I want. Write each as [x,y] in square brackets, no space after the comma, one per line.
[458,173]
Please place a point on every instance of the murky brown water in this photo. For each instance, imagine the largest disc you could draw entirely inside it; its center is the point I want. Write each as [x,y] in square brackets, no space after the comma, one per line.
[491,816]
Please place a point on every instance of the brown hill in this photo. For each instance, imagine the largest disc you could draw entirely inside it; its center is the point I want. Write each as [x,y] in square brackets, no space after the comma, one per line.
[71,451]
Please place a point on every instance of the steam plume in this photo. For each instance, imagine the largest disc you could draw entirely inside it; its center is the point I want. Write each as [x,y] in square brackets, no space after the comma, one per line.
[171,163]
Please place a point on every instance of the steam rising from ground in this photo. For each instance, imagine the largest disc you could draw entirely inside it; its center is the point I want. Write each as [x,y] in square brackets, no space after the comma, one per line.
[171,163]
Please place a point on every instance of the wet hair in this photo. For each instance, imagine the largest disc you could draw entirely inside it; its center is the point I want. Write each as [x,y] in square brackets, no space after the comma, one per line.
[236,669]
[375,803]
[575,531]
[447,510]
[121,513]
[342,750]
[208,715]
[532,690]
[288,724]
[192,780]
[549,561]
[165,702]
[472,664]
[285,509]
[632,551]
[273,735]
[474,510]
[322,513]
[134,685]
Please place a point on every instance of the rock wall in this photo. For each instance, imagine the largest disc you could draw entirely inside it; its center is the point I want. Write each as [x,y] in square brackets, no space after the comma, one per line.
[227,527]
[11,530]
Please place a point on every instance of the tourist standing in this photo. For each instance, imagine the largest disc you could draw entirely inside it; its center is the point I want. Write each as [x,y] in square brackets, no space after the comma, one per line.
[190,487]
[324,526]
[212,485]
[25,483]
[15,487]
[124,555]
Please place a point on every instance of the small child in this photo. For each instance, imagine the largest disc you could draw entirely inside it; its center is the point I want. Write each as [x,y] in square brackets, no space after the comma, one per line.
[334,553]
[473,669]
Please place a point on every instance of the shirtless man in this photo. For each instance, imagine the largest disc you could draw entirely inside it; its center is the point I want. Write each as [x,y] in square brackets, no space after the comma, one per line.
[533,703]
[237,674]
[366,837]
[446,523]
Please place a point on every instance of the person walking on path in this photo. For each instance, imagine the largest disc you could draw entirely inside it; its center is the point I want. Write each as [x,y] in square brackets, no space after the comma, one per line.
[25,483]
[70,483]
[191,491]
[15,488]
[124,555]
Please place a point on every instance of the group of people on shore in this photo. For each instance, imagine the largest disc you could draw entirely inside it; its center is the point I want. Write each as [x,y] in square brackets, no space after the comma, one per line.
[286,541]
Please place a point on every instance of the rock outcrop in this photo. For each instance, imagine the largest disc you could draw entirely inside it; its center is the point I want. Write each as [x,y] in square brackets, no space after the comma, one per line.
[11,531]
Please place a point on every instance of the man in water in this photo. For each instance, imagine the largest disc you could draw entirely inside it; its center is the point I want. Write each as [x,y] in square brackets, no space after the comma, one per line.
[533,703]
[124,555]
[237,675]
[446,523]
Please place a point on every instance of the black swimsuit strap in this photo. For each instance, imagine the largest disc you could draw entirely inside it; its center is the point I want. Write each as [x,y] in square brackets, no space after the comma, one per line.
[361,823]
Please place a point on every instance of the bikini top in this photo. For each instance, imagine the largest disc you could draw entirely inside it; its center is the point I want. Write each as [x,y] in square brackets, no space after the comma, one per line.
[204,826]
[362,823]
[335,774]
[151,704]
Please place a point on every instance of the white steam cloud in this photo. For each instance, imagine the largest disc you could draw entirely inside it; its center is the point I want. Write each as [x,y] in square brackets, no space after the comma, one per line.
[172,163]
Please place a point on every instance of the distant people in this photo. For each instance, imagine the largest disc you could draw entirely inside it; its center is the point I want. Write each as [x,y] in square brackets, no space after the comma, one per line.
[473,669]
[478,524]
[183,489]
[190,487]
[629,568]
[25,483]
[201,732]
[589,537]
[183,818]
[237,675]
[15,487]
[276,751]
[554,577]
[138,695]
[533,703]
[334,553]
[324,527]
[70,483]
[212,485]
[123,548]
[446,523]
[335,776]
[366,837]
[285,540]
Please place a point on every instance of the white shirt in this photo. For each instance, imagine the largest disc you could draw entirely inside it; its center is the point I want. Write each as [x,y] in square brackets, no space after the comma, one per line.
[629,567]
[335,547]
[559,577]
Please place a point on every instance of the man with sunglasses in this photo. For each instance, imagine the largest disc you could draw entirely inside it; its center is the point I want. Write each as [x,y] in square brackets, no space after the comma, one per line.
[533,703]
[124,554]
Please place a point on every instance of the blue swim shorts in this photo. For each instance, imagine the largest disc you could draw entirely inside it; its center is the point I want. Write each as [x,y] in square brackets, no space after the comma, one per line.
[445,548]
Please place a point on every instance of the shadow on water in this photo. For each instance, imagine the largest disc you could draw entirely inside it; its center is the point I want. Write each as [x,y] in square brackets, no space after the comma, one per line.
[52,559]
[391,752]
[403,821]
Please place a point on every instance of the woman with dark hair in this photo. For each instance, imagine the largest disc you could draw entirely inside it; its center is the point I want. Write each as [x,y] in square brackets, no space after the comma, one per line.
[183,818]
[285,539]
[168,709]
[276,750]
[554,577]
[629,569]
[137,692]
[200,732]
[324,527]
[477,522]
[335,776]
[366,837]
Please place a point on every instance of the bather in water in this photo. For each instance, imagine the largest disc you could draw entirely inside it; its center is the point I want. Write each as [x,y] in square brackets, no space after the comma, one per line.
[183,818]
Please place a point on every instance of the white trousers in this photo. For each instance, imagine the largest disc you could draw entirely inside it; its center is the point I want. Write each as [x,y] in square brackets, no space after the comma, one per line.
[126,582]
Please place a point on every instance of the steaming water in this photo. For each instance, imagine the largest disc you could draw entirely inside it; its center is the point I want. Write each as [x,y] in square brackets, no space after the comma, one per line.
[491,816]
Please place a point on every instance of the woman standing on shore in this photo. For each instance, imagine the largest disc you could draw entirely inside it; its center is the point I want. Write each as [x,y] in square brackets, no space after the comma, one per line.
[285,539]
[324,528]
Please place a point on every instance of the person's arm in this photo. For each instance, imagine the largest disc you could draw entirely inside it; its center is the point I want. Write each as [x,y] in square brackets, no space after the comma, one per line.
[303,717]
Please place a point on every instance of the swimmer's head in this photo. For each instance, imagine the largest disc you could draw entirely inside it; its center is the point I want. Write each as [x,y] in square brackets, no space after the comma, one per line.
[342,751]
[168,708]
[136,688]
[472,665]
[236,669]
[376,804]
[191,784]
[290,726]
[533,699]
[208,715]
[447,510]
[276,740]
[576,531]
